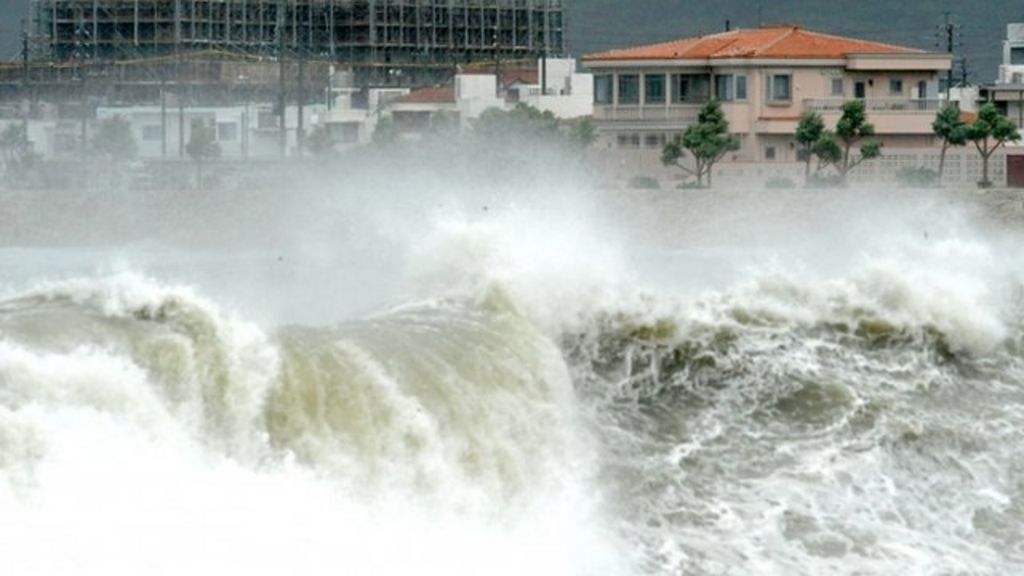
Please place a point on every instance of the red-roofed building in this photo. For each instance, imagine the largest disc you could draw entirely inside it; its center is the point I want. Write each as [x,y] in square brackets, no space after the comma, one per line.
[765,79]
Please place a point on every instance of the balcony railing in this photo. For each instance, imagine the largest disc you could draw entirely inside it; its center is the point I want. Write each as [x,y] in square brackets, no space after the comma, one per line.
[676,112]
[876,104]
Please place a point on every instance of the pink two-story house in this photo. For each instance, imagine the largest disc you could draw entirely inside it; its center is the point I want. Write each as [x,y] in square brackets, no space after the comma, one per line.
[764,78]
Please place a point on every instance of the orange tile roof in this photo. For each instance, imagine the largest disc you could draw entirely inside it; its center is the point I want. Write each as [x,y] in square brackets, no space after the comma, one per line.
[431,95]
[777,42]
[519,77]
[508,77]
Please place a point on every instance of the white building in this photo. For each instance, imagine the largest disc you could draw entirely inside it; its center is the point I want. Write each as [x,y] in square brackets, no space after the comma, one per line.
[246,131]
[566,93]
[352,115]
[1008,91]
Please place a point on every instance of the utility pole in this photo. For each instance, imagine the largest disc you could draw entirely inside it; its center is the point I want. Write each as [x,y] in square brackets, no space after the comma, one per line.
[163,114]
[544,64]
[283,133]
[496,46]
[178,66]
[26,77]
[300,134]
[949,30]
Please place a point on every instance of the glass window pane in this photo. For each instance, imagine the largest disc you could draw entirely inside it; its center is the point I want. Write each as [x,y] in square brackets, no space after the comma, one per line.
[603,89]
[837,86]
[780,87]
[690,88]
[723,87]
[1016,56]
[654,88]
[741,87]
[629,89]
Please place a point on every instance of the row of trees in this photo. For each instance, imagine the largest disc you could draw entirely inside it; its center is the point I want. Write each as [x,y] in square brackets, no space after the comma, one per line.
[848,146]
[833,154]
[989,132]
[709,140]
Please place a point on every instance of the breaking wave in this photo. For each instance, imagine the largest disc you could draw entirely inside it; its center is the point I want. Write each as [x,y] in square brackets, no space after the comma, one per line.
[532,411]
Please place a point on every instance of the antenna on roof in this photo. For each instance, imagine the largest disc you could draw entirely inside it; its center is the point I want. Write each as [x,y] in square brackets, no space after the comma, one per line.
[728,25]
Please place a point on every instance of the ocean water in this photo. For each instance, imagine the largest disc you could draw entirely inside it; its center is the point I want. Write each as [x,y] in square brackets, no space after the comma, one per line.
[567,381]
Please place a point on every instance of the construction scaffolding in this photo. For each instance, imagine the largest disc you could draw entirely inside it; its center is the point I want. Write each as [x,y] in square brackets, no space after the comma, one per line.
[384,42]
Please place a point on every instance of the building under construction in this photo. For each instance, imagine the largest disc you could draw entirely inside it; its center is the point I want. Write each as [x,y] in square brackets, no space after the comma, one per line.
[404,42]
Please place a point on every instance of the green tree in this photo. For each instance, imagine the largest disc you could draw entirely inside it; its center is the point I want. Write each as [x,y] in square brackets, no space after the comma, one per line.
[14,141]
[444,122]
[950,127]
[320,142]
[522,121]
[582,134]
[851,129]
[827,150]
[808,132]
[202,146]
[708,141]
[527,124]
[19,158]
[114,139]
[990,132]
[385,133]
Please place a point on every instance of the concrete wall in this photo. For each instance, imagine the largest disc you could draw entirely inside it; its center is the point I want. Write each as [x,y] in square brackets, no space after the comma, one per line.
[963,167]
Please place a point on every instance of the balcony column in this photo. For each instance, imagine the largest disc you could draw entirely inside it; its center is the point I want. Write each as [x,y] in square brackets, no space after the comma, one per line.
[668,95]
[641,96]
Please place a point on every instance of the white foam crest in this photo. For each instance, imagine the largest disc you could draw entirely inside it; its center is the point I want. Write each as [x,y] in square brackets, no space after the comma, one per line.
[217,364]
[100,474]
[116,295]
[119,495]
[111,500]
[554,264]
[963,289]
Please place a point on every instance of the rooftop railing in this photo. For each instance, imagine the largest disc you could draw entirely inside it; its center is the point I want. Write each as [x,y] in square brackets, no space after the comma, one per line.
[876,104]
[676,112]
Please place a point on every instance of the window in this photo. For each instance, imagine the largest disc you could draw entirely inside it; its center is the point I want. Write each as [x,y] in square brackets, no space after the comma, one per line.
[741,87]
[629,89]
[603,89]
[629,140]
[780,88]
[769,153]
[687,88]
[895,87]
[227,131]
[723,87]
[837,86]
[1017,55]
[922,89]
[654,88]
[859,90]
[654,140]
[151,133]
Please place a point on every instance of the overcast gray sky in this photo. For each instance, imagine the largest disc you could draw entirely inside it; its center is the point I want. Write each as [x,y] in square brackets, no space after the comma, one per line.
[601,24]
